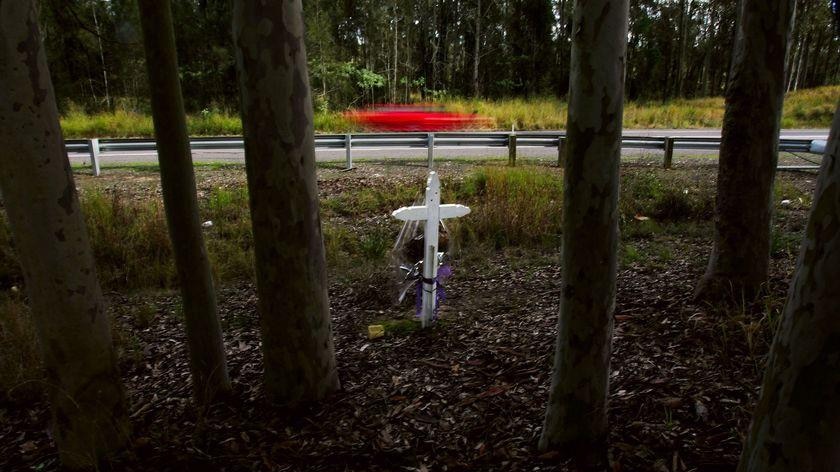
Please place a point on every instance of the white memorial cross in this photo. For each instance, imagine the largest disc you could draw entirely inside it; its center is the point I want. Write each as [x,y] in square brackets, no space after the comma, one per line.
[432,212]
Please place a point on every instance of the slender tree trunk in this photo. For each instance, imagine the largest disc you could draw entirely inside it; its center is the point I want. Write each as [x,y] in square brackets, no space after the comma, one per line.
[280,161]
[576,417]
[684,14]
[790,55]
[748,154]
[810,78]
[477,50]
[321,52]
[396,57]
[796,424]
[101,57]
[435,47]
[82,379]
[204,334]
[803,56]
[791,71]
[708,37]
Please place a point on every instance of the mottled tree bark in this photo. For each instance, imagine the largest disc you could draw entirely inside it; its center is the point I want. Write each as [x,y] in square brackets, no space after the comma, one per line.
[576,420]
[82,379]
[280,161]
[749,152]
[204,334]
[796,425]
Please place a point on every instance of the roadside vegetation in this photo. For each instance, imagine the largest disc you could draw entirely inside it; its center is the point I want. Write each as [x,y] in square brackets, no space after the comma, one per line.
[810,108]
[514,209]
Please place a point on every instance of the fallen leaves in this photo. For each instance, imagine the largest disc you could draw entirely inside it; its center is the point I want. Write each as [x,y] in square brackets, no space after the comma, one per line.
[467,394]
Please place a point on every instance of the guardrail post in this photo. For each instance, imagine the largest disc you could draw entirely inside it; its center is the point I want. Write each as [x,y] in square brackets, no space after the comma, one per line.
[561,151]
[93,149]
[512,149]
[430,143]
[348,151]
[669,152]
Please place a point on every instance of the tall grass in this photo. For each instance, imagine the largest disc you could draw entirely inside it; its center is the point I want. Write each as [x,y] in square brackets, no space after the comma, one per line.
[229,238]
[19,356]
[664,197]
[512,206]
[129,239]
[520,206]
[811,108]
[524,206]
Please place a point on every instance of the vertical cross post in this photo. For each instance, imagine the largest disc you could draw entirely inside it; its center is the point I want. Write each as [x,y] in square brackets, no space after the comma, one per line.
[432,212]
[347,144]
[430,241]
[93,149]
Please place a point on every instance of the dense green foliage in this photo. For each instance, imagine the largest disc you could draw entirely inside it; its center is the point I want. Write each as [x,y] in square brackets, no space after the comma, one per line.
[367,51]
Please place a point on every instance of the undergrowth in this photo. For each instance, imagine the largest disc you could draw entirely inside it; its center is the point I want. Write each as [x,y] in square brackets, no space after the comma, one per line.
[513,209]
[19,354]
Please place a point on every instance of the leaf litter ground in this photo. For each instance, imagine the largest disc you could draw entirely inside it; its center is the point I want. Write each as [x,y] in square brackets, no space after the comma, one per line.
[468,394]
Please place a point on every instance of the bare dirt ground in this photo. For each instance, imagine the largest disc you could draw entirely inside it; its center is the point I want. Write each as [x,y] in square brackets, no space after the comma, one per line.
[468,394]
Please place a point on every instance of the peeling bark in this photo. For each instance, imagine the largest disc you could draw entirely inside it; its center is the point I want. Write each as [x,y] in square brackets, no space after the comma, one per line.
[576,420]
[86,395]
[740,257]
[204,334]
[796,424]
[280,161]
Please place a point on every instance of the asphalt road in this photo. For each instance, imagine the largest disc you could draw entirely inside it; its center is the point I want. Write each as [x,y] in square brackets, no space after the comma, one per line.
[441,152]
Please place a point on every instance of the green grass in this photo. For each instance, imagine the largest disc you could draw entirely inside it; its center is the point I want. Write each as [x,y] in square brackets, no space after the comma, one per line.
[370,199]
[664,196]
[516,211]
[512,207]
[129,239]
[229,240]
[810,108]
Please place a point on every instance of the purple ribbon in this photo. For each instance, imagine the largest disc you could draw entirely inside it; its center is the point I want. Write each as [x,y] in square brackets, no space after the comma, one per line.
[444,272]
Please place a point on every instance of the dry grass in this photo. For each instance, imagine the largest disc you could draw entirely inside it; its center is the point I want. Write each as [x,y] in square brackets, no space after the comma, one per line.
[811,108]
[19,355]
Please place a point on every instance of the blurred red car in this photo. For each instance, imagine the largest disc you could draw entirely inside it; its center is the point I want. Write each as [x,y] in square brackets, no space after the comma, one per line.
[414,118]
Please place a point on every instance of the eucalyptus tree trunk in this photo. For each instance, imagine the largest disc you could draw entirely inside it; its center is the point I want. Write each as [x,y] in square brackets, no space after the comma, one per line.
[796,424]
[204,334]
[740,256]
[280,161]
[476,49]
[683,39]
[576,417]
[82,380]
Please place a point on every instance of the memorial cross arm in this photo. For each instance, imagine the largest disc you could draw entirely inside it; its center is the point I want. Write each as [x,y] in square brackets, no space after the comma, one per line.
[421,212]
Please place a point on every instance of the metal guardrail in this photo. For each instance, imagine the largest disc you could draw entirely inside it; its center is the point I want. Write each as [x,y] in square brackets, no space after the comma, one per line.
[511,140]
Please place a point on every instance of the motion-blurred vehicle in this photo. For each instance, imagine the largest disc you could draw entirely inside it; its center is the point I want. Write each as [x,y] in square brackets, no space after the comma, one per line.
[414,118]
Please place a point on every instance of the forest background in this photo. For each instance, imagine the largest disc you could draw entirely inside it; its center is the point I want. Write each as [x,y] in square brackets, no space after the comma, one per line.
[505,59]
